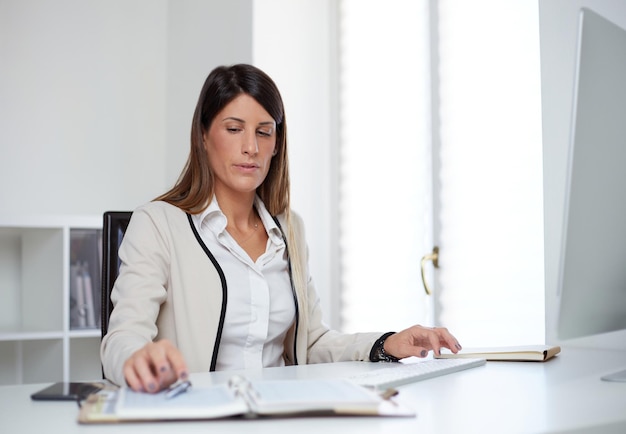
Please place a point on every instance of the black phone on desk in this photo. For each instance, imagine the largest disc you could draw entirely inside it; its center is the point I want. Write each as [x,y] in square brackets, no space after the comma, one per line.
[66,391]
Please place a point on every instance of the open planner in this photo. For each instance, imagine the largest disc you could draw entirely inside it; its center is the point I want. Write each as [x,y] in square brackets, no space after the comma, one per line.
[240,397]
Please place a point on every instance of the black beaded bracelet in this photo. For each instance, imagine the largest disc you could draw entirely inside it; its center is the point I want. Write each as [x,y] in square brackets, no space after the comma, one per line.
[378,353]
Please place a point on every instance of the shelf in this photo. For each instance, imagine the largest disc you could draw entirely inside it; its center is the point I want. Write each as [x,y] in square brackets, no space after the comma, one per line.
[30,336]
[31,276]
[84,361]
[31,361]
[38,340]
[87,333]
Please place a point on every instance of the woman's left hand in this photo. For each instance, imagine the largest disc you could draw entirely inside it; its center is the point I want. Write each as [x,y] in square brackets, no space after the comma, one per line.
[418,341]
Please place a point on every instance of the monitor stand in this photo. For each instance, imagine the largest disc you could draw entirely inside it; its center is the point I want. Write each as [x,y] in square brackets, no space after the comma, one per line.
[619,376]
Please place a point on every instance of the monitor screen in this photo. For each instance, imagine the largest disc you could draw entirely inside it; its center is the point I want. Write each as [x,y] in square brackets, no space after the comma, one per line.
[592,275]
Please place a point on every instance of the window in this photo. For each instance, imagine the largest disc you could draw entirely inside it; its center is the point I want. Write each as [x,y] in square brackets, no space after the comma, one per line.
[385,163]
[466,176]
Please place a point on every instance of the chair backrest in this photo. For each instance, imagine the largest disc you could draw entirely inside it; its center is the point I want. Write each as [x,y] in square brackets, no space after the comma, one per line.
[113,230]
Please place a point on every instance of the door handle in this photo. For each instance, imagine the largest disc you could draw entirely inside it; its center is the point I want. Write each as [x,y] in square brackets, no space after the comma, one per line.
[434,256]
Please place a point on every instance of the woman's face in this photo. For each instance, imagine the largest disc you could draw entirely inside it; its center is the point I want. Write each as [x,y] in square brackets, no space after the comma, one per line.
[240,145]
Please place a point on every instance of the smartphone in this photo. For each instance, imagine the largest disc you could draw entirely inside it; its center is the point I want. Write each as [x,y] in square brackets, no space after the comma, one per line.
[66,391]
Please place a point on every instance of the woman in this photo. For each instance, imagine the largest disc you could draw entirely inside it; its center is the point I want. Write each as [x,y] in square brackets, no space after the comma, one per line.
[214,272]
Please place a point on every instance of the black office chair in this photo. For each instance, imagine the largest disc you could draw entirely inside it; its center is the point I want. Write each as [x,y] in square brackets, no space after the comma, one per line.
[113,230]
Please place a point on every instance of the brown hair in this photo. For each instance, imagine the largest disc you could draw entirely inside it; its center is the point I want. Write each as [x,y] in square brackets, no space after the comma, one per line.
[194,188]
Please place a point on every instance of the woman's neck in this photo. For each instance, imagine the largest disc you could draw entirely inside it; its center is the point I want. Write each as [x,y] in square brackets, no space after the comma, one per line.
[239,210]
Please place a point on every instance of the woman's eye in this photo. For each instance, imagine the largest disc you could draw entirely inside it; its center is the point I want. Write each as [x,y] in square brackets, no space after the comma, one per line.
[233,129]
[264,133]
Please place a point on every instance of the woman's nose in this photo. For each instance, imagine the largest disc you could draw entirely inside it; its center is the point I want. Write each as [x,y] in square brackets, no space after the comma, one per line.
[250,145]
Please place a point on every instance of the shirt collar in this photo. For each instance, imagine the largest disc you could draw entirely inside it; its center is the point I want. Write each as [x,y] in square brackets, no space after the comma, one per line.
[216,221]
[212,216]
[273,231]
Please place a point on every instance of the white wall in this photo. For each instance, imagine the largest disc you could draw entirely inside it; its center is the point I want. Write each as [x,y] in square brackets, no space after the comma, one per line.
[201,35]
[558,20]
[96,97]
[96,100]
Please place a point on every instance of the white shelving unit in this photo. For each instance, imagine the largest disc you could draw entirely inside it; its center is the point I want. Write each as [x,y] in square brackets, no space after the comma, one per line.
[37,343]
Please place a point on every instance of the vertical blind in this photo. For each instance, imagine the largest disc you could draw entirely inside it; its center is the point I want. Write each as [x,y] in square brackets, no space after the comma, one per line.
[490,227]
[385,164]
[486,182]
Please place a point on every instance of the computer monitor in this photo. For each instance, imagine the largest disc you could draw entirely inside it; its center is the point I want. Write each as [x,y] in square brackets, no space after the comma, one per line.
[592,275]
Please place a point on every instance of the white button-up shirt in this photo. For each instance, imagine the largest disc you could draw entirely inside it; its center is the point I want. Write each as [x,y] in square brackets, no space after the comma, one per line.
[260,307]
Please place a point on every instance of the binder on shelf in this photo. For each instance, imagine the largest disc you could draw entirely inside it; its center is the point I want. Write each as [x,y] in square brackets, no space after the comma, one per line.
[89,297]
[82,314]
[85,275]
[78,317]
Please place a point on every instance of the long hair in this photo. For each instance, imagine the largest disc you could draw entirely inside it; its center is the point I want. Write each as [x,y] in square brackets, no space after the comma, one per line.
[194,188]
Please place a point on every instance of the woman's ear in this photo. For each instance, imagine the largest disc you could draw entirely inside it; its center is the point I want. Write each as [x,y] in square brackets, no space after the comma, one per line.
[204,141]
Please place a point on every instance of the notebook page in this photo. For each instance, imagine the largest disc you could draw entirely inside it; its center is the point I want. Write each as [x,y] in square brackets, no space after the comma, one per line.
[211,402]
[310,395]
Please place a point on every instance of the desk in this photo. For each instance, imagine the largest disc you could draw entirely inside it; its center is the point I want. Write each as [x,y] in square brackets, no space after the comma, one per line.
[564,394]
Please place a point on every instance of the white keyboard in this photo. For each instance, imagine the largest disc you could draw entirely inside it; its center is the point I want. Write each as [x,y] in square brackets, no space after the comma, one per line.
[403,373]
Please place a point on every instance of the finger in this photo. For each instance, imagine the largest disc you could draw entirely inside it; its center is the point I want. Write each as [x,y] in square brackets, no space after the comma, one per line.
[413,350]
[449,341]
[178,364]
[141,365]
[168,363]
[133,381]
[166,379]
[159,359]
[433,339]
[145,371]
[420,352]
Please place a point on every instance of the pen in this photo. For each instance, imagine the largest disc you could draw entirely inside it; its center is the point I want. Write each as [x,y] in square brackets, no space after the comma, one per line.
[177,389]
[389,393]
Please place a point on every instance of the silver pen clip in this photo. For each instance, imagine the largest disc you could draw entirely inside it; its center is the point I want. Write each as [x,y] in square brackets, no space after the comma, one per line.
[177,388]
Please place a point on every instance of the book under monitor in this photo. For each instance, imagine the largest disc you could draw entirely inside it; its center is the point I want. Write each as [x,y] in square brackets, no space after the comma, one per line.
[524,353]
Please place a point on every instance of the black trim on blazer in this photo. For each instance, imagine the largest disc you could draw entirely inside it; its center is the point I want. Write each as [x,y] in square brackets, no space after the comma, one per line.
[293,291]
[218,338]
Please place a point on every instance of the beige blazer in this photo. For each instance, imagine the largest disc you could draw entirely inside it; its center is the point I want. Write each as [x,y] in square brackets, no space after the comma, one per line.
[170,286]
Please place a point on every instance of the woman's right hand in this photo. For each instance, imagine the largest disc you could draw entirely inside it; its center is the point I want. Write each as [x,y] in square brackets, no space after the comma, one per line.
[155,367]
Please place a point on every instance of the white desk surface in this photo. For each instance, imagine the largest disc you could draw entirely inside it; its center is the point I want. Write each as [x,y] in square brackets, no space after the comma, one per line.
[564,394]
